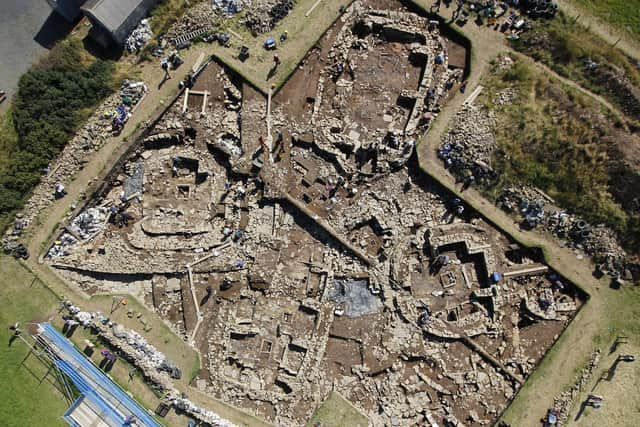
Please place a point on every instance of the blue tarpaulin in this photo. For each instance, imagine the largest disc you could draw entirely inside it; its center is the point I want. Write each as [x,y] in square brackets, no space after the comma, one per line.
[97,390]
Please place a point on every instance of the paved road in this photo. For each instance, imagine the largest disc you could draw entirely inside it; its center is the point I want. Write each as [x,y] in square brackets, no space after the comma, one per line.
[25,31]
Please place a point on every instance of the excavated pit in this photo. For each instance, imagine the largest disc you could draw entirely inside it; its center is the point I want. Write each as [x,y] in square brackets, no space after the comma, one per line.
[319,257]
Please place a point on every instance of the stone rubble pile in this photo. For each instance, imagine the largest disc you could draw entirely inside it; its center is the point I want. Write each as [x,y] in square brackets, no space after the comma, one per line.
[230,6]
[468,147]
[599,242]
[263,16]
[260,16]
[82,228]
[200,16]
[503,63]
[62,246]
[139,36]
[505,96]
[563,403]
[89,222]
[204,415]
[136,348]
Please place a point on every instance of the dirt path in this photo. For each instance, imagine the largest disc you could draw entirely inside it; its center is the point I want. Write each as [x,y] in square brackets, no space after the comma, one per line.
[571,84]
[605,30]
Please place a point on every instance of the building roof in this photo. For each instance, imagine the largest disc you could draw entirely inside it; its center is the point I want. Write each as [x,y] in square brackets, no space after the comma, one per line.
[111,13]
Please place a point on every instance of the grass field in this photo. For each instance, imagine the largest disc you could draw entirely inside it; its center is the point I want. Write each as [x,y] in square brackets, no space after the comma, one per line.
[623,14]
[564,45]
[24,400]
[556,151]
[336,411]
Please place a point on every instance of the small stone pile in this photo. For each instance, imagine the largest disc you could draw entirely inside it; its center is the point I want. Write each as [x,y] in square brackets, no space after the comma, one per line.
[201,16]
[89,222]
[139,36]
[208,417]
[62,246]
[467,148]
[503,63]
[230,6]
[505,96]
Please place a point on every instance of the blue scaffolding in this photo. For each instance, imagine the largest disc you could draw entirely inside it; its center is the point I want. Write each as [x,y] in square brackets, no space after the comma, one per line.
[100,397]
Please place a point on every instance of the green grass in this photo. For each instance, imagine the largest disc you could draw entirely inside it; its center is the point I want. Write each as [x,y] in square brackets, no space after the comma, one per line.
[8,137]
[560,147]
[336,411]
[167,12]
[623,14]
[8,144]
[564,45]
[24,401]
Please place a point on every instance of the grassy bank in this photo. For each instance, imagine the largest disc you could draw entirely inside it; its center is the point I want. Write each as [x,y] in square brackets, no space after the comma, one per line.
[566,146]
[623,14]
[53,99]
[578,54]
[166,12]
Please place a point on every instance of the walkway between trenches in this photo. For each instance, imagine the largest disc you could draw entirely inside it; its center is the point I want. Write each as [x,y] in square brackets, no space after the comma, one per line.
[583,328]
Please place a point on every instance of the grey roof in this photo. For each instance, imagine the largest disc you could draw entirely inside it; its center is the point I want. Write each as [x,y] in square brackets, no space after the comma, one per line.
[111,13]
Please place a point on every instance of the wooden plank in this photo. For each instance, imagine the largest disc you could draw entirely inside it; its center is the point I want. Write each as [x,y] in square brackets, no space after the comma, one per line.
[198,63]
[186,99]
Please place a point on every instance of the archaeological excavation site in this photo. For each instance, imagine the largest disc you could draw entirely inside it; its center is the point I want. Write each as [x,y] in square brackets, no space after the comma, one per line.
[293,239]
